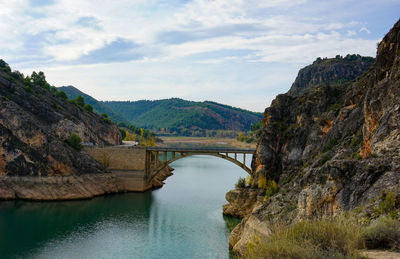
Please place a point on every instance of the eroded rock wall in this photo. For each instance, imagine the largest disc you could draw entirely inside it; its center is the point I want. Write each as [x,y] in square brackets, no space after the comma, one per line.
[332,149]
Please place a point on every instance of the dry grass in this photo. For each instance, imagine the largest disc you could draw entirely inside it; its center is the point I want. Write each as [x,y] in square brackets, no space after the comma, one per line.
[337,238]
[384,233]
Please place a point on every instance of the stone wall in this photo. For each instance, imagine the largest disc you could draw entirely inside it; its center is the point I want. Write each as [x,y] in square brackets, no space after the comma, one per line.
[119,158]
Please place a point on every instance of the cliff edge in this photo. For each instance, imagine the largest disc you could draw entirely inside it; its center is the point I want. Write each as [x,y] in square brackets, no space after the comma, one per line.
[332,148]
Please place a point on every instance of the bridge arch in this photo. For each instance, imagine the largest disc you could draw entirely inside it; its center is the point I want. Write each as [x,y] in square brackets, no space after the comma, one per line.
[154,165]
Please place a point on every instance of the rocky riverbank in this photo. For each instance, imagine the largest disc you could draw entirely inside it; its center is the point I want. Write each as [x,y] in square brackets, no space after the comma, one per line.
[73,187]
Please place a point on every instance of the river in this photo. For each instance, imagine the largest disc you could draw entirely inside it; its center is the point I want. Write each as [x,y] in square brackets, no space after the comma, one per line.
[181,220]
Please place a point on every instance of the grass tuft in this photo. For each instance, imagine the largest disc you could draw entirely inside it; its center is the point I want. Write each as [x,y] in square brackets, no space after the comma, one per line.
[337,238]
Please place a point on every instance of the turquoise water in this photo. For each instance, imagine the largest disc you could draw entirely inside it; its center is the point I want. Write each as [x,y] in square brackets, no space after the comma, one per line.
[181,220]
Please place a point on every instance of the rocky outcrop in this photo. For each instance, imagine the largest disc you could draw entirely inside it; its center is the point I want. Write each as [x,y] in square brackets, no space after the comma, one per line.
[332,148]
[336,70]
[35,121]
[242,202]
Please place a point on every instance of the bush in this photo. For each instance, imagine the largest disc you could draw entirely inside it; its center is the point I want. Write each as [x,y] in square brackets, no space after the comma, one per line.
[387,203]
[88,107]
[271,190]
[325,159]
[75,142]
[62,95]
[383,233]
[28,89]
[249,180]
[241,183]
[262,182]
[337,238]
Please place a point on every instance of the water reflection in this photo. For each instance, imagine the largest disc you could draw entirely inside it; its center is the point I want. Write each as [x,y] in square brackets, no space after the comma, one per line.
[181,220]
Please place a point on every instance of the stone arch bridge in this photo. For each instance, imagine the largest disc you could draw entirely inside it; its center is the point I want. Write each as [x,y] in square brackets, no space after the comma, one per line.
[136,167]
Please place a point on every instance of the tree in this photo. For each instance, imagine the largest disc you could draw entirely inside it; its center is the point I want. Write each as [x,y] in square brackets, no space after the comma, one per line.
[74,141]
[39,79]
[80,101]
[88,107]
[62,95]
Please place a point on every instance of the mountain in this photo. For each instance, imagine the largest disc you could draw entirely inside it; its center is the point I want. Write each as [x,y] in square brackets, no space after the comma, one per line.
[173,116]
[336,70]
[98,107]
[176,113]
[333,149]
[40,135]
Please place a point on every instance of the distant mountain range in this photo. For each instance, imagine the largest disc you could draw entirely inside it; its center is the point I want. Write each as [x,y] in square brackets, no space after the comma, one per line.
[173,116]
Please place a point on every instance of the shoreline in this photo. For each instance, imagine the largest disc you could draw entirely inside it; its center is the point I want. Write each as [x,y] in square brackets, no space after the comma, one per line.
[68,188]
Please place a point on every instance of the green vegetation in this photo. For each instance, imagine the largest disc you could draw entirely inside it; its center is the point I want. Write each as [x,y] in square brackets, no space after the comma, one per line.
[241,183]
[75,142]
[356,140]
[105,118]
[250,136]
[62,95]
[270,190]
[28,89]
[338,238]
[88,107]
[387,203]
[325,159]
[98,107]
[383,233]
[331,144]
[132,133]
[175,117]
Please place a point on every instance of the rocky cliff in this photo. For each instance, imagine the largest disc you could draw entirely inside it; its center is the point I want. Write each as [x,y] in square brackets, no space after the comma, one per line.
[331,148]
[35,122]
[332,71]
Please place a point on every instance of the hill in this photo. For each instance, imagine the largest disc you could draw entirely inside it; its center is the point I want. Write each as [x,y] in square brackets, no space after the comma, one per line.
[174,116]
[336,70]
[183,117]
[40,136]
[98,107]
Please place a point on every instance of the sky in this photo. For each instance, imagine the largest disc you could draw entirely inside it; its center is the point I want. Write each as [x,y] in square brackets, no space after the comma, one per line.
[237,52]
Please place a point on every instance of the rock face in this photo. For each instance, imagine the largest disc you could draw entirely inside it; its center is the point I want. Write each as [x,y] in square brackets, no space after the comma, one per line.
[336,70]
[34,124]
[242,202]
[332,148]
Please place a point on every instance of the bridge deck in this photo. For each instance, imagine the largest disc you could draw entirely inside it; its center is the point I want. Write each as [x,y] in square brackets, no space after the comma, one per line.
[202,150]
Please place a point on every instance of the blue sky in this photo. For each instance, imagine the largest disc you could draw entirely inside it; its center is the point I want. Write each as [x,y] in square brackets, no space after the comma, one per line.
[238,52]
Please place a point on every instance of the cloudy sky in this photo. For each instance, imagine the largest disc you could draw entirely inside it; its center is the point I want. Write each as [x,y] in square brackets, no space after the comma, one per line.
[238,52]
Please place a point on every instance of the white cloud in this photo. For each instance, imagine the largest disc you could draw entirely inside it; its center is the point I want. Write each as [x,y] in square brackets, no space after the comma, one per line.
[364,29]
[175,39]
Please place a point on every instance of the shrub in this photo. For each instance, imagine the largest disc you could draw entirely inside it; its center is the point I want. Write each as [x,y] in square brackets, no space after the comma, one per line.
[332,142]
[383,233]
[62,95]
[28,89]
[271,190]
[241,183]
[262,181]
[337,238]
[324,159]
[75,142]
[387,203]
[249,180]
[356,140]
[80,101]
[88,107]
